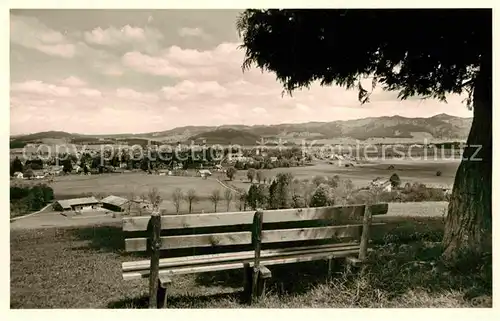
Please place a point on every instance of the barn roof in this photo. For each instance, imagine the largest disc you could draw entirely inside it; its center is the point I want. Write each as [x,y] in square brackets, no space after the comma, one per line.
[77,201]
[114,200]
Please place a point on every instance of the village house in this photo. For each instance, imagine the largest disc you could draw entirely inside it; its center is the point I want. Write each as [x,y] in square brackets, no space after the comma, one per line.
[382,183]
[117,203]
[39,174]
[204,173]
[77,204]
[18,175]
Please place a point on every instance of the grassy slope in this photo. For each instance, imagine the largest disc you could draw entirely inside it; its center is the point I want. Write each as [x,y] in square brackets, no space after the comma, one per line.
[80,268]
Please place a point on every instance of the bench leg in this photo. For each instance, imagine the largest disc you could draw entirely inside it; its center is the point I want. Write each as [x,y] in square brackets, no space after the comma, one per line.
[255,282]
[353,264]
[247,282]
[161,297]
[264,275]
[331,266]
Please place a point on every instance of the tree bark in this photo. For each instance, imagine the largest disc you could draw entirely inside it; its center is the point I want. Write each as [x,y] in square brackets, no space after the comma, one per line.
[468,225]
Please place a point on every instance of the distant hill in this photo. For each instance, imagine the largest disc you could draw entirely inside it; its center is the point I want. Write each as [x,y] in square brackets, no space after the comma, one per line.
[226,136]
[442,126]
[46,135]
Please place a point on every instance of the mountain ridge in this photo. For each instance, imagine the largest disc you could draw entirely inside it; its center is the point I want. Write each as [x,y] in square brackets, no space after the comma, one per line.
[396,126]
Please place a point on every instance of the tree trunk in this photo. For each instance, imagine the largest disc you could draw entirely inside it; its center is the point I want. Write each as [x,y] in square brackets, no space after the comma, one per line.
[468,224]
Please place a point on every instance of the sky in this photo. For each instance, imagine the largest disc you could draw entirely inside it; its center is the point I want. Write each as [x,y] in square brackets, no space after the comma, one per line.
[135,71]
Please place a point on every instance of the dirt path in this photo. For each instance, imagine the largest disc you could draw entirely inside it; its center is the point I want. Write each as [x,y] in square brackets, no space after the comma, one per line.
[31,214]
[228,187]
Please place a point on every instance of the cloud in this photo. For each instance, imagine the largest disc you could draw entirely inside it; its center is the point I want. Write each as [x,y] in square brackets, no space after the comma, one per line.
[223,61]
[127,93]
[302,107]
[191,32]
[259,110]
[90,92]
[31,33]
[73,81]
[40,88]
[132,84]
[186,88]
[113,36]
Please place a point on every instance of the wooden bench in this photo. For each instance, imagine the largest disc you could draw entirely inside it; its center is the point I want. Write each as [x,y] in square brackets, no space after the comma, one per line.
[252,241]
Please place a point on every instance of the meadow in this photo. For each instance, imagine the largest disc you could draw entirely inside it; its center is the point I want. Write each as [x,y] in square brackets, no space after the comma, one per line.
[81,268]
[140,183]
[361,175]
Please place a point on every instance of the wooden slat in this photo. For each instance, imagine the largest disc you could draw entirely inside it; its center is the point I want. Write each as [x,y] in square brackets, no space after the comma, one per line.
[238,256]
[240,264]
[242,238]
[313,233]
[242,218]
[188,241]
[232,256]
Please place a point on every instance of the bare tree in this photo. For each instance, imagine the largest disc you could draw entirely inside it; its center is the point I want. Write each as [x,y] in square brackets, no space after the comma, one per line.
[259,176]
[191,198]
[177,198]
[131,200]
[251,174]
[242,198]
[155,198]
[98,195]
[228,197]
[215,198]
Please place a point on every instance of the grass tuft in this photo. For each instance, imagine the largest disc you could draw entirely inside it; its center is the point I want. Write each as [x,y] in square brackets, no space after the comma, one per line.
[81,268]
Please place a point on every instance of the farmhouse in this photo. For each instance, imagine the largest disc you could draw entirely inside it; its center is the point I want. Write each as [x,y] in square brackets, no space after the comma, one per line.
[38,174]
[115,203]
[18,175]
[384,184]
[77,204]
[204,173]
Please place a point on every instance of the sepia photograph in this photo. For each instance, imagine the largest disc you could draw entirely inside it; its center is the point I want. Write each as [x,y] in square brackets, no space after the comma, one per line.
[251,158]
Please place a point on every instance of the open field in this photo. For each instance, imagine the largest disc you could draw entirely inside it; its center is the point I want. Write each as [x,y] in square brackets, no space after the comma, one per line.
[361,175]
[80,268]
[121,184]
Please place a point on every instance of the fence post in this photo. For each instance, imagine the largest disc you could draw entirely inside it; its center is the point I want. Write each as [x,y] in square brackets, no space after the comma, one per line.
[155,258]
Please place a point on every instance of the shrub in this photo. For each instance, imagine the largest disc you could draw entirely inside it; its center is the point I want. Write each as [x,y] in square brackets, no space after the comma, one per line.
[318,180]
[320,196]
[230,172]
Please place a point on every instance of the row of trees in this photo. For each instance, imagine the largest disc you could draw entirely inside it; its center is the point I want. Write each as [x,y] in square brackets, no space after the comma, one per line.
[190,198]
[25,199]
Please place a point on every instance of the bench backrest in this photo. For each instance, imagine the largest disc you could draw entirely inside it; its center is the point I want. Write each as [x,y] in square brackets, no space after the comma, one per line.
[230,229]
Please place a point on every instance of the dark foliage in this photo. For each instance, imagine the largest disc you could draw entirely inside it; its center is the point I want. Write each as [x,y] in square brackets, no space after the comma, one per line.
[24,199]
[16,166]
[400,52]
